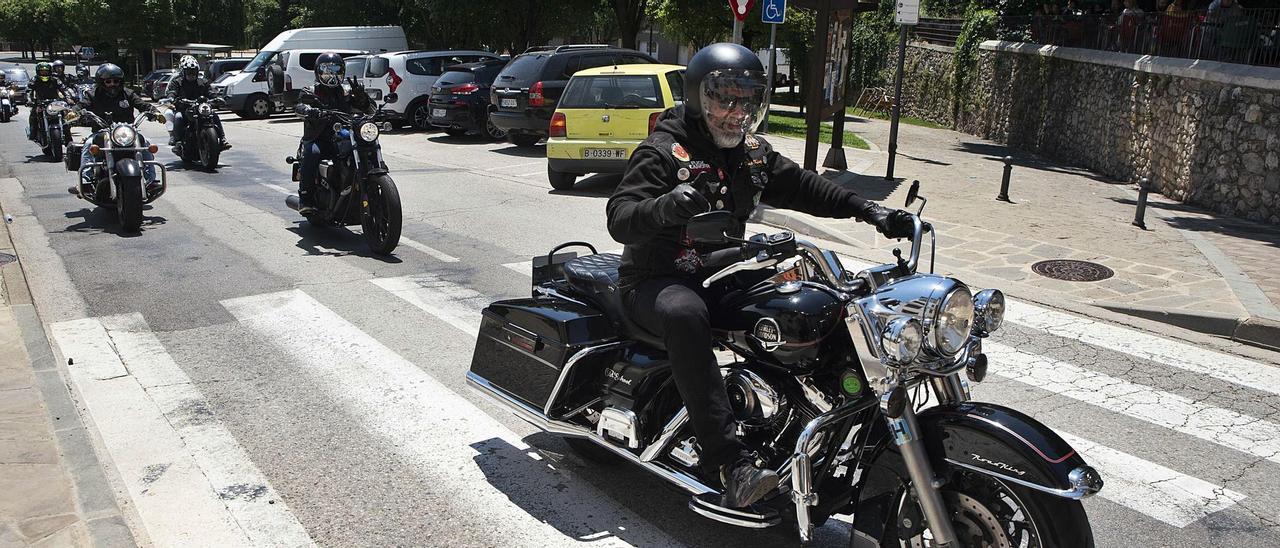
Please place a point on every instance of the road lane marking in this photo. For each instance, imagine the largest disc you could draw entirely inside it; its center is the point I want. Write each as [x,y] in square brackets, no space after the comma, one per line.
[460,450]
[189,479]
[454,304]
[1159,492]
[1213,424]
[1224,367]
[437,254]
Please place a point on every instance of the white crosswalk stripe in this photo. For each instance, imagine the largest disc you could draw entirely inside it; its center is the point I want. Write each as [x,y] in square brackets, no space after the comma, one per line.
[441,432]
[166,445]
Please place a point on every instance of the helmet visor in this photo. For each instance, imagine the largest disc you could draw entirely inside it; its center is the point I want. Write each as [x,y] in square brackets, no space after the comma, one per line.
[732,104]
[330,74]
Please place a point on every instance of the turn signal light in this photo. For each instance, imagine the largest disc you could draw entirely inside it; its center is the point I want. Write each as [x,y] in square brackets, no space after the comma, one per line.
[559,126]
[94,149]
[152,148]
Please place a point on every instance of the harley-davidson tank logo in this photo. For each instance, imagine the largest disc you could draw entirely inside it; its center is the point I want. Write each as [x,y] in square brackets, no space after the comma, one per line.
[767,334]
[999,465]
[679,152]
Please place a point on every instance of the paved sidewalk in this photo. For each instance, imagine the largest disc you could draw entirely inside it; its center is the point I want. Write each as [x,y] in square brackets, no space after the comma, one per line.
[52,489]
[1191,268]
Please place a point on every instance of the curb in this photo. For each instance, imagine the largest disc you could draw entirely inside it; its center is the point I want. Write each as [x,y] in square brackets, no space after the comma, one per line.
[99,511]
[1260,332]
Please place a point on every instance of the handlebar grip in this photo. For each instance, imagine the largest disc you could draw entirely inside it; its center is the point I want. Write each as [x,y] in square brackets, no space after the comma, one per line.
[722,257]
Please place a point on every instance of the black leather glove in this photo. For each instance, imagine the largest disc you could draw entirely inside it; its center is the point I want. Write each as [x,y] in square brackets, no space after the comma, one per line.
[680,204]
[893,223]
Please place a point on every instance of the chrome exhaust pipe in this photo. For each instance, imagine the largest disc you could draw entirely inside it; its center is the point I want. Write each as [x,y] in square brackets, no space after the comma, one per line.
[535,417]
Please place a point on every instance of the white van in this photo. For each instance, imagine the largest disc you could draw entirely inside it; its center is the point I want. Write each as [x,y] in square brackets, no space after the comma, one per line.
[298,71]
[247,94]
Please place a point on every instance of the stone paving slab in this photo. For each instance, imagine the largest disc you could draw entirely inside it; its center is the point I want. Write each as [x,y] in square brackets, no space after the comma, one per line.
[1173,270]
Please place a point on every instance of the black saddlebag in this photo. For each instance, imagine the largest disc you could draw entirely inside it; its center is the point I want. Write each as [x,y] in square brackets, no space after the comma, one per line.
[525,343]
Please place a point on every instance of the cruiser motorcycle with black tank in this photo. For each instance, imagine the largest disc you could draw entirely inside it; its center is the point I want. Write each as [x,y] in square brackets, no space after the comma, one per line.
[116,178]
[355,187]
[829,372]
[200,144]
[7,107]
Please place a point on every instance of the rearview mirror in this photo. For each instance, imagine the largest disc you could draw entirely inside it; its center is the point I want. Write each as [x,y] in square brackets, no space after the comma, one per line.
[379,66]
[708,228]
[391,98]
[913,193]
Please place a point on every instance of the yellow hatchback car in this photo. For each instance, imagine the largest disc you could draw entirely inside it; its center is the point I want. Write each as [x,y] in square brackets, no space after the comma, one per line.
[603,116]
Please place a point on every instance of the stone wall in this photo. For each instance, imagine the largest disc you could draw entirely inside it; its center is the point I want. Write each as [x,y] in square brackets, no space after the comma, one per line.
[927,88]
[1205,133]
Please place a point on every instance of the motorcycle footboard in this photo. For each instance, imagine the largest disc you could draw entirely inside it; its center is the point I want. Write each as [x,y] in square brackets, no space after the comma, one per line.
[539,349]
[163,176]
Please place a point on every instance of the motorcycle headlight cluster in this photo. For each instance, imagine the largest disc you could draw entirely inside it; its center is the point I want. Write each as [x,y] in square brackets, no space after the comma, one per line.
[124,135]
[368,132]
[954,321]
[988,315]
[57,106]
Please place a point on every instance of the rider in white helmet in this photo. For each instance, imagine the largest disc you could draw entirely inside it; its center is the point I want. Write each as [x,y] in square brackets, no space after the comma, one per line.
[190,87]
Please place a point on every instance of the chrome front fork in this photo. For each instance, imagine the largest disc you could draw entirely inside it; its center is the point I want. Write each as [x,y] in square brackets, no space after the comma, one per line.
[906,435]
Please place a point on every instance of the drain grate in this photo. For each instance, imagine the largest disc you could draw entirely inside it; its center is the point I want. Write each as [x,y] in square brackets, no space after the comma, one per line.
[1072,270]
[6,258]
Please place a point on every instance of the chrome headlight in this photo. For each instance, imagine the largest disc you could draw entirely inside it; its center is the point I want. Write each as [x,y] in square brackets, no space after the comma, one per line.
[56,107]
[902,339]
[124,135]
[954,321]
[204,109]
[368,132]
[988,307]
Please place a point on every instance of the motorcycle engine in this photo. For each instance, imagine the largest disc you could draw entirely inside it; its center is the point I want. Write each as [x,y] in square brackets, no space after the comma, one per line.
[756,403]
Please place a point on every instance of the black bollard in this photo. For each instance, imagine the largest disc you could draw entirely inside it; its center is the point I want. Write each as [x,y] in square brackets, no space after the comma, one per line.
[1138,217]
[1004,182]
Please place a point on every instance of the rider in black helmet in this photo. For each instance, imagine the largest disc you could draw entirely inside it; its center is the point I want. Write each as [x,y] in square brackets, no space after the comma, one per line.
[60,73]
[317,134]
[704,156]
[45,87]
[113,102]
[191,87]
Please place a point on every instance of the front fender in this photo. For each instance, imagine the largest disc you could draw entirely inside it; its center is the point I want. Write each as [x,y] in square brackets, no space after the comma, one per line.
[128,167]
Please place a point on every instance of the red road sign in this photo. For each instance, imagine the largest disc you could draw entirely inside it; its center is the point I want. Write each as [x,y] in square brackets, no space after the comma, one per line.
[741,8]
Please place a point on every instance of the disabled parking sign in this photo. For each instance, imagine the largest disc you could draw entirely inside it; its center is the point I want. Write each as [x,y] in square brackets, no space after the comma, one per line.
[774,12]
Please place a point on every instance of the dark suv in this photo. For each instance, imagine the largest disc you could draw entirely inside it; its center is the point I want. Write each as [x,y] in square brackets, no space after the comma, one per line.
[525,94]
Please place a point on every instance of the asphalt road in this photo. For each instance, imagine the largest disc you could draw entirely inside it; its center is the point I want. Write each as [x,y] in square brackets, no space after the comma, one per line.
[254,380]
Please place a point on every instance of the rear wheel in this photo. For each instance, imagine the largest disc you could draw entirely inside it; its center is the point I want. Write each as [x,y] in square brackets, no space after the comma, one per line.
[524,140]
[381,219]
[561,180]
[210,149]
[493,132]
[989,513]
[129,203]
[420,114]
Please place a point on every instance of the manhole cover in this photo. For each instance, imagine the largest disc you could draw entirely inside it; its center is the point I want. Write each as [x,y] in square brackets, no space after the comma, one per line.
[6,258]
[1072,270]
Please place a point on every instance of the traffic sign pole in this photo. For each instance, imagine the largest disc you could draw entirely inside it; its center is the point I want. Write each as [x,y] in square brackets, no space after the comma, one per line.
[906,14]
[774,12]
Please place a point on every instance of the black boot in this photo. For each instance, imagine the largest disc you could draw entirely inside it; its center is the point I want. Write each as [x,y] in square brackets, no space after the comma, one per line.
[744,483]
[223,142]
[306,205]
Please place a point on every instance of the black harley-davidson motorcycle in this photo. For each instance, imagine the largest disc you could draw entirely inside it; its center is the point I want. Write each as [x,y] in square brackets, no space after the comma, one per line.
[200,145]
[116,178]
[355,188]
[829,376]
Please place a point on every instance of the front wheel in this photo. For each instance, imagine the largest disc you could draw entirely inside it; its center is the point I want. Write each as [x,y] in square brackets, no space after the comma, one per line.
[54,150]
[257,106]
[381,219]
[129,203]
[210,149]
[988,512]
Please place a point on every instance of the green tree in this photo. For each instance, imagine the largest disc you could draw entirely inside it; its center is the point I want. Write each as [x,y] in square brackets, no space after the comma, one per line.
[630,15]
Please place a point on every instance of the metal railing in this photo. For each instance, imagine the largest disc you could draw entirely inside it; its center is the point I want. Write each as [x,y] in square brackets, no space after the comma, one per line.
[1245,36]
[938,31]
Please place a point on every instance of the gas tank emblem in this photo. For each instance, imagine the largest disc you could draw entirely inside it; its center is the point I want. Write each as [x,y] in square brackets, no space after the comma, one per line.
[767,334]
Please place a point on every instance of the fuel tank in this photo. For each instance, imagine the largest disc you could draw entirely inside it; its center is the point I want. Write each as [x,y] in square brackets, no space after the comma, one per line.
[784,324]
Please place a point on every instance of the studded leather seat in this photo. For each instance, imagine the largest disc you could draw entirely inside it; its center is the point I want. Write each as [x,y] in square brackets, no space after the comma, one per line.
[595,277]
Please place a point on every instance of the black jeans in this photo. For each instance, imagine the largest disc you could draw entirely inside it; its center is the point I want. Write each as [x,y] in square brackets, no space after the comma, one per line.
[675,309]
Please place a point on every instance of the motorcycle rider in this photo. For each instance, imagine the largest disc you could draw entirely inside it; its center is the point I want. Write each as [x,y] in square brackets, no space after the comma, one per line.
[82,73]
[191,87]
[704,156]
[112,102]
[44,87]
[60,73]
[317,133]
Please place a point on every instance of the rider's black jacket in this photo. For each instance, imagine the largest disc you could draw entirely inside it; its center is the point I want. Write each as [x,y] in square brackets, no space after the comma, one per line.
[189,89]
[329,98]
[117,109]
[680,151]
[40,91]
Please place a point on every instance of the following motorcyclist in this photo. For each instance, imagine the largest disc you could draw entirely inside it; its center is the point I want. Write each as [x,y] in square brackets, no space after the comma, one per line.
[44,88]
[112,102]
[703,156]
[190,87]
[82,73]
[60,73]
[318,139]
